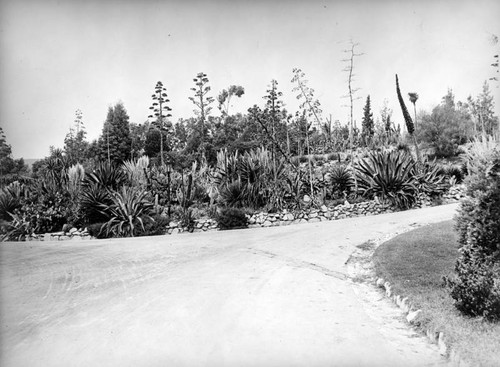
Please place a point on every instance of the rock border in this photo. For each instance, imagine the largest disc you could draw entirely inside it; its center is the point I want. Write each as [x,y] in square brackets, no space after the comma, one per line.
[414,317]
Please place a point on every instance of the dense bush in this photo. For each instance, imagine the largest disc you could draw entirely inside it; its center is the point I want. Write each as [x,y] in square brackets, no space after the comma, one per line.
[446,128]
[155,225]
[476,287]
[230,218]
[98,230]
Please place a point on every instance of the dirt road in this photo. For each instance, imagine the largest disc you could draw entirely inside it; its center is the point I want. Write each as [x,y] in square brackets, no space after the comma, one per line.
[277,296]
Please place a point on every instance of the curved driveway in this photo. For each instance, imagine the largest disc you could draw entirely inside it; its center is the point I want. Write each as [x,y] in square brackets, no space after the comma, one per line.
[275,296]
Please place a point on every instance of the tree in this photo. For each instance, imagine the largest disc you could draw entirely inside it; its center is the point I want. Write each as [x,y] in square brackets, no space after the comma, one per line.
[202,103]
[446,127]
[413,99]
[224,98]
[10,169]
[350,80]
[161,112]
[75,143]
[368,124]
[385,115]
[482,108]
[138,134]
[114,144]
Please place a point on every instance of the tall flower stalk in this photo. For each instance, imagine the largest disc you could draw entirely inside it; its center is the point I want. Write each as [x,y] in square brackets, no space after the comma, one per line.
[409,123]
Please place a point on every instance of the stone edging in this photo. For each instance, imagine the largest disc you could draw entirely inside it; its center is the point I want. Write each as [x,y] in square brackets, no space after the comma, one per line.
[414,317]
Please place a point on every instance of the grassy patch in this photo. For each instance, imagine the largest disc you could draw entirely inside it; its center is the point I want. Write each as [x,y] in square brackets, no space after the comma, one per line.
[415,263]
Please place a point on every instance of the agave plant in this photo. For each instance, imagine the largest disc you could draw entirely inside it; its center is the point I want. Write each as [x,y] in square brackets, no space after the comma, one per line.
[10,199]
[127,212]
[430,178]
[341,180]
[389,176]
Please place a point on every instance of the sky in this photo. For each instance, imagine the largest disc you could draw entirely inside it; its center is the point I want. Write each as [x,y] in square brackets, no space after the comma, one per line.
[59,56]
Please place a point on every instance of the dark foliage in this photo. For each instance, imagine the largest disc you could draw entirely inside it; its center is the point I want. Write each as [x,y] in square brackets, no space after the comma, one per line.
[232,218]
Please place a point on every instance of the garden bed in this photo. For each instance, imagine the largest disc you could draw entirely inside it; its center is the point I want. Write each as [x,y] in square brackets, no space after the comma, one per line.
[283,218]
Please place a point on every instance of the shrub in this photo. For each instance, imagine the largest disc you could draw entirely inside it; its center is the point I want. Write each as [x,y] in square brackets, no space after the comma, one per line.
[388,176]
[303,159]
[476,286]
[155,226]
[454,172]
[333,157]
[98,230]
[231,218]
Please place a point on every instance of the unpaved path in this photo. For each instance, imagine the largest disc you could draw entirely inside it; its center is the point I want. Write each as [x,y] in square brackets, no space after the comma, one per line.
[278,296]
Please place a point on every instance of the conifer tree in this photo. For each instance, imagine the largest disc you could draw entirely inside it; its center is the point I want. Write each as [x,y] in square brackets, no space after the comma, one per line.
[115,143]
[368,124]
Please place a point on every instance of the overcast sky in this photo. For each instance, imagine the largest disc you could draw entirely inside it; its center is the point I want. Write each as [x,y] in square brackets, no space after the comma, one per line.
[60,56]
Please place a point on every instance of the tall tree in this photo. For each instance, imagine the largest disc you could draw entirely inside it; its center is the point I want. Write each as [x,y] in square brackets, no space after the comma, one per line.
[115,143]
[367,125]
[483,107]
[161,112]
[202,102]
[224,98]
[413,99]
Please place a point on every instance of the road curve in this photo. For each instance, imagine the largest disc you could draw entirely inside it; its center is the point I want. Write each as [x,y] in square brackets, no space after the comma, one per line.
[277,296]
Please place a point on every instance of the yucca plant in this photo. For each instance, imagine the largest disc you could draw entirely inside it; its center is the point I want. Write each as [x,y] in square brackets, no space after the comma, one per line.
[92,198]
[233,194]
[389,176]
[106,175]
[127,212]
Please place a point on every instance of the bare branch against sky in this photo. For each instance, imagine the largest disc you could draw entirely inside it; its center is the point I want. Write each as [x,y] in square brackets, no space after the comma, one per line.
[59,56]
